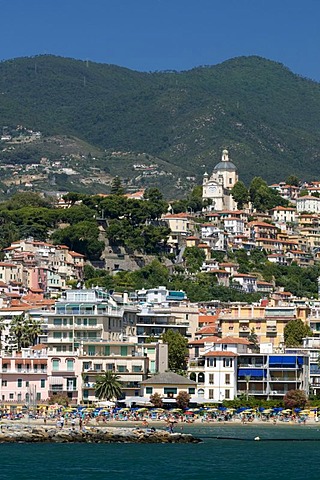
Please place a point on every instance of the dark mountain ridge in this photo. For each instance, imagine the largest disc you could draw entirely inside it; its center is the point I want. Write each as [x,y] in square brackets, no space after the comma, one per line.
[266,116]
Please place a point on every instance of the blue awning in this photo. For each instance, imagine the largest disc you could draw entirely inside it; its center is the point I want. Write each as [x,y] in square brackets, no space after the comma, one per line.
[244,372]
[282,360]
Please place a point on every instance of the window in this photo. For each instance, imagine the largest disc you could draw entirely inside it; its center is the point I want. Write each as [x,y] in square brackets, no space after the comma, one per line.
[27,384]
[149,390]
[211,378]
[10,396]
[70,365]
[151,351]
[211,393]
[38,396]
[211,362]
[42,383]
[227,379]
[227,394]
[4,383]
[227,362]
[191,391]
[55,365]
[107,350]
[97,367]
[19,367]
[19,382]
[57,335]
[91,350]
[121,368]
[152,366]
[57,321]
[170,391]
[136,368]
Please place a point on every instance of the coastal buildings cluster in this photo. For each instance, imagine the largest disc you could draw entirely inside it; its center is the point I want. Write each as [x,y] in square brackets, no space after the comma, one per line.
[89,331]
[85,332]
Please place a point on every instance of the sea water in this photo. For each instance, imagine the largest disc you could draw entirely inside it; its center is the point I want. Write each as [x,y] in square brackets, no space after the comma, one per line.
[288,452]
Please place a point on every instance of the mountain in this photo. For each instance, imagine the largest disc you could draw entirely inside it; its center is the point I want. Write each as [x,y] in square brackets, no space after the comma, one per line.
[266,116]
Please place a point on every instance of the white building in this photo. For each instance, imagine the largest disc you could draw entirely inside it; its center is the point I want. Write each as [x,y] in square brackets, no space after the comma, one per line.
[308,204]
[218,187]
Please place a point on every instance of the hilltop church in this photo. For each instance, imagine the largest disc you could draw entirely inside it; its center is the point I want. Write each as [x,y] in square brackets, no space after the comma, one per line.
[218,187]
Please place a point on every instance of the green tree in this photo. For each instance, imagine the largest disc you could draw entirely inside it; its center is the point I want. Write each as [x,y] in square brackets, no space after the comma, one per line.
[293,180]
[294,331]
[295,399]
[183,400]
[253,338]
[116,186]
[303,192]
[108,386]
[83,237]
[240,194]
[263,197]
[177,351]
[194,258]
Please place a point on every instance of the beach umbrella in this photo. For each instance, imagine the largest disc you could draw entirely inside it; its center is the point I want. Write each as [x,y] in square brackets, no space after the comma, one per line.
[141,410]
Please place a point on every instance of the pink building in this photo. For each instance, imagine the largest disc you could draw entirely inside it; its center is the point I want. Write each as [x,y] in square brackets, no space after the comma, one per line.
[24,376]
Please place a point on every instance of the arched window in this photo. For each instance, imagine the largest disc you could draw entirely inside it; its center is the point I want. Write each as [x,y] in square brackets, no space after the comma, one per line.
[201,392]
[201,377]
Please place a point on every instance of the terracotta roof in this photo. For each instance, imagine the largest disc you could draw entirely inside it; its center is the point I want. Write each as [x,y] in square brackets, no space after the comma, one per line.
[202,341]
[245,275]
[206,330]
[75,254]
[177,215]
[208,318]
[220,354]
[284,209]
[261,224]
[233,341]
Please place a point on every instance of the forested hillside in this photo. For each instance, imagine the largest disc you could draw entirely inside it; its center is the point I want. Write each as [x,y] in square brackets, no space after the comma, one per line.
[264,114]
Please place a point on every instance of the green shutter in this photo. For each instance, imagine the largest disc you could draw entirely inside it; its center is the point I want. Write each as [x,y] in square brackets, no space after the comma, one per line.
[124,351]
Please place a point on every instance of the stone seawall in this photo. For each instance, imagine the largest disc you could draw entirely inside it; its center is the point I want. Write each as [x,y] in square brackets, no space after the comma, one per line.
[13,434]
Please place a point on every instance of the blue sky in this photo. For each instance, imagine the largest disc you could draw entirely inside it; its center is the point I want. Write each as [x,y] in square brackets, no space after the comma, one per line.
[153,35]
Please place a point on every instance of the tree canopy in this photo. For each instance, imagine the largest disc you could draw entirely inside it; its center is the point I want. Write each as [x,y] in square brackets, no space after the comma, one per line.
[294,331]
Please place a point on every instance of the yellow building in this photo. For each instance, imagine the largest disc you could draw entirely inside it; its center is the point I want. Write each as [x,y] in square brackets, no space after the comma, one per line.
[268,322]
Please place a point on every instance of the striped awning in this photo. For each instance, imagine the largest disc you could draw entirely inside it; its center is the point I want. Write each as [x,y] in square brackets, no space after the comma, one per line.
[56,380]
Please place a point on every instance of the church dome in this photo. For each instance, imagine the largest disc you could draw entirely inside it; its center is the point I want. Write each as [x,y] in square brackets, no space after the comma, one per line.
[225,164]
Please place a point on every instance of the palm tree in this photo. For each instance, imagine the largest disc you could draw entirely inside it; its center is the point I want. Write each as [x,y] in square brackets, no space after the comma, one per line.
[17,329]
[247,379]
[24,332]
[108,387]
[2,327]
[32,331]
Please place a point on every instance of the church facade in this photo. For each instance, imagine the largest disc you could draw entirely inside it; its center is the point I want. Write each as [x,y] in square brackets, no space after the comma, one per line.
[217,188]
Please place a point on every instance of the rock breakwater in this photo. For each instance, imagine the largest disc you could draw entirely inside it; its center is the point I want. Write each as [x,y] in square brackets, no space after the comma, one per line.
[13,434]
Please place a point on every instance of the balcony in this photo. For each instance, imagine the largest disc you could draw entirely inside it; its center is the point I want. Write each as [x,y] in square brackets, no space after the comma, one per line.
[252,392]
[196,363]
[284,379]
